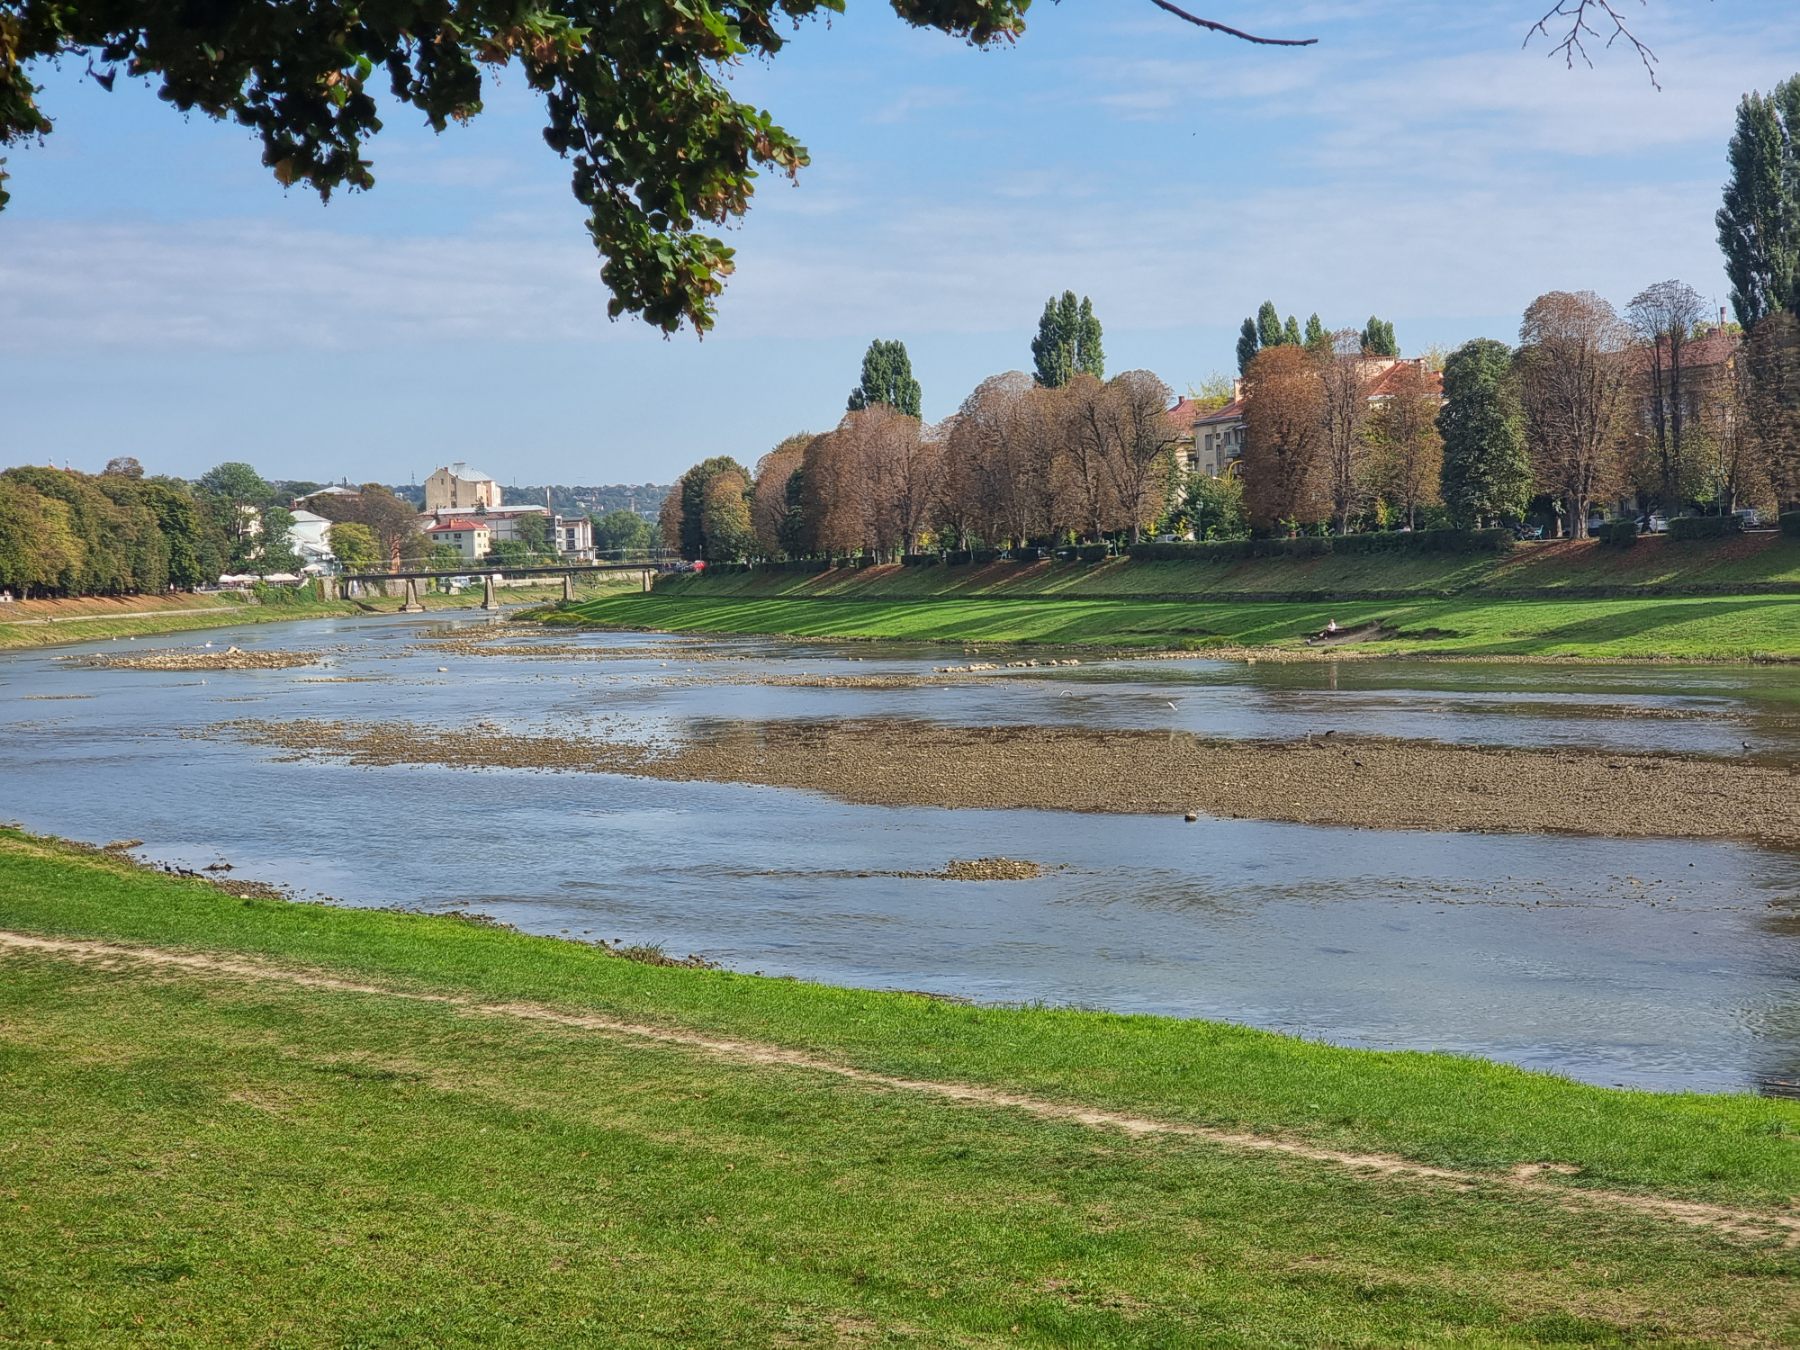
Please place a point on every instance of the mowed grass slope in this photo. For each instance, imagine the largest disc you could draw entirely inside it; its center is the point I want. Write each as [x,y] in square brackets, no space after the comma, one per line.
[1653,564]
[1720,628]
[210,1159]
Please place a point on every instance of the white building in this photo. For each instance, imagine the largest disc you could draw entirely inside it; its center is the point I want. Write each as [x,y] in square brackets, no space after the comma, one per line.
[310,539]
[457,487]
[467,536]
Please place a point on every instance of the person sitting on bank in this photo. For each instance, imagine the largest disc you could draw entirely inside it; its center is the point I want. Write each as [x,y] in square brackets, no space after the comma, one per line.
[1330,627]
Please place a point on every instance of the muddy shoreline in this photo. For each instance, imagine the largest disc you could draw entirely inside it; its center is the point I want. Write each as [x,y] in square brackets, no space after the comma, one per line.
[1320,780]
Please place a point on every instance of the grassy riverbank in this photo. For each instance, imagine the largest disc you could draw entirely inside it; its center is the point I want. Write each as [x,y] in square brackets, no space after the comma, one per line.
[254,1121]
[1754,627]
[56,622]
[1730,600]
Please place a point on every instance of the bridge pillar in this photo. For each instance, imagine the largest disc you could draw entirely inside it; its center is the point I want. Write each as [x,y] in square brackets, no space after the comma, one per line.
[568,585]
[489,600]
[327,589]
[647,578]
[412,604]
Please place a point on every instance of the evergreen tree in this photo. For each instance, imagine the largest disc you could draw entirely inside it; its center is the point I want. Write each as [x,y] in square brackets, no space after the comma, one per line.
[1318,341]
[1248,345]
[886,378]
[1268,325]
[1486,474]
[1378,338]
[1067,342]
[1759,223]
[1290,333]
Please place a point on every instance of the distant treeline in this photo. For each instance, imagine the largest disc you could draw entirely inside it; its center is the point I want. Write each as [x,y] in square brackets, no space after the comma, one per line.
[115,533]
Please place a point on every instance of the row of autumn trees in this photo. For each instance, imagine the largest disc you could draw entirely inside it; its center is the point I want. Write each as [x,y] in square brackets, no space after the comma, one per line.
[1020,462]
[1590,406]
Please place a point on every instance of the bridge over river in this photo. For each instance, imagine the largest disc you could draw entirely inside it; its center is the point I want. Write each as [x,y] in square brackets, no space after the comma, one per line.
[333,587]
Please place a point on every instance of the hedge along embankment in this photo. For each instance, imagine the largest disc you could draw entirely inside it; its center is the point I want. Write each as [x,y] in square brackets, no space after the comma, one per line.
[1763,563]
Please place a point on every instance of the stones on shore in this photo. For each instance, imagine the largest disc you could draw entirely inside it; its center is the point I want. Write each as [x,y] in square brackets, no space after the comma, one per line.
[231,658]
[977,666]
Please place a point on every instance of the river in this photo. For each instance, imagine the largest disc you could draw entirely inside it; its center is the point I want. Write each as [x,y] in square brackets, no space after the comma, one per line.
[1654,964]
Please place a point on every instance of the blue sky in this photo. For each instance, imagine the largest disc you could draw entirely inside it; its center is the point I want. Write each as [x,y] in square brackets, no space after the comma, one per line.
[161,296]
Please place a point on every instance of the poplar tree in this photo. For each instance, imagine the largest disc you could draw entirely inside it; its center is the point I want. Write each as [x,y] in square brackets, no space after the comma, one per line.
[1378,338]
[1067,342]
[1759,223]
[1318,341]
[886,378]
[1268,325]
[1248,344]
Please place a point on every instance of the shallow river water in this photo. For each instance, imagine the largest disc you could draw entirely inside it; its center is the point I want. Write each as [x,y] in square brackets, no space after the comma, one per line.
[1661,964]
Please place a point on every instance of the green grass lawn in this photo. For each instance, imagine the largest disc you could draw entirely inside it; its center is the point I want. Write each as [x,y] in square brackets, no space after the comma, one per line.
[1719,628]
[197,1159]
[1757,562]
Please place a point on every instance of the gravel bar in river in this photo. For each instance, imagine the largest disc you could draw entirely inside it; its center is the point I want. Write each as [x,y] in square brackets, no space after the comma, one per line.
[1323,780]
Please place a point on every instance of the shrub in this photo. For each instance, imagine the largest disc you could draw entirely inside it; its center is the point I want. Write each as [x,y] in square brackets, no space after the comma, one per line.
[921,560]
[984,555]
[1704,527]
[1029,554]
[1618,533]
[1093,553]
[1790,524]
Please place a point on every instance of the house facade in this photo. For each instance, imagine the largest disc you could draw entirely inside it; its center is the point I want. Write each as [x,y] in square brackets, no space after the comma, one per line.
[471,538]
[1213,441]
[457,487]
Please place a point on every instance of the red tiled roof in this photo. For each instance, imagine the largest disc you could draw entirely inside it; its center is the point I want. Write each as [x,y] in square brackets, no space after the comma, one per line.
[1388,383]
[1714,349]
[1231,412]
[456,525]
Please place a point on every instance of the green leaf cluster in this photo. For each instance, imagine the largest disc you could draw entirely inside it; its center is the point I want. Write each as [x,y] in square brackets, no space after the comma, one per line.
[1759,221]
[887,377]
[637,98]
[1067,342]
[1487,473]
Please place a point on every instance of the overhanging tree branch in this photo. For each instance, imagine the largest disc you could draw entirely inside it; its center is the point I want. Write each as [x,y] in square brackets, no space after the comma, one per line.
[1574,41]
[1229,31]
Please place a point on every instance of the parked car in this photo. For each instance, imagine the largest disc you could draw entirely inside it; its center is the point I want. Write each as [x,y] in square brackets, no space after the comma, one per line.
[1748,517]
[1526,530]
[1654,523]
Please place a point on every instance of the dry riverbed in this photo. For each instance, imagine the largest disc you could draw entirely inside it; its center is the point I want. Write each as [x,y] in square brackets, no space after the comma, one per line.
[1328,780]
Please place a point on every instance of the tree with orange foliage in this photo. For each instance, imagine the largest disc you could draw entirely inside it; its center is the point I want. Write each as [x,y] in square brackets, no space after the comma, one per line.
[1284,437]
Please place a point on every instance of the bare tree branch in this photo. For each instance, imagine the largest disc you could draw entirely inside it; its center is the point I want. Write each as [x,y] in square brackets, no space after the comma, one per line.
[1229,31]
[1581,30]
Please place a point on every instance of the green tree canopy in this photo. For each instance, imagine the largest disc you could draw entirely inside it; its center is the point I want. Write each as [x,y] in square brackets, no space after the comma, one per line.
[621,531]
[1759,222]
[1248,344]
[1067,342]
[1486,474]
[710,527]
[1268,325]
[636,96]
[886,378]
[1290,333]
[354,546]
[1378,338]
[1316,337]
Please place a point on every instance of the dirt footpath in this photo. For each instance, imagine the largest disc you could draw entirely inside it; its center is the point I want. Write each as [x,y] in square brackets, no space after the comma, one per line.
[1327,780]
